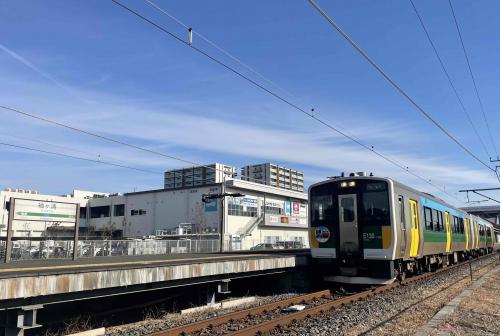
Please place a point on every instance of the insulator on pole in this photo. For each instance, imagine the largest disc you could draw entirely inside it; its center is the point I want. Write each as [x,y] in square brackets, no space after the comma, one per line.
[190,36]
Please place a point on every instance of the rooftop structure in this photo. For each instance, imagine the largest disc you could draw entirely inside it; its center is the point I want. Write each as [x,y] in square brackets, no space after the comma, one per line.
[274,175]
[198,176]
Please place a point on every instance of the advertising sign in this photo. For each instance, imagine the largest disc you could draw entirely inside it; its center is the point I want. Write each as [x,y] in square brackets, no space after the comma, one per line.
[288,207]
[296,208]
[211,207]
[252,202]
[34,210]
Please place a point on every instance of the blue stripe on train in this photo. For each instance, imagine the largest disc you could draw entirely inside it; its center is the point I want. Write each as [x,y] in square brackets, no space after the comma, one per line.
[434,205]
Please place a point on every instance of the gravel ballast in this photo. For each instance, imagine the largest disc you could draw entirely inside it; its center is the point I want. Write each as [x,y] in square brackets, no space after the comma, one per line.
[398,312]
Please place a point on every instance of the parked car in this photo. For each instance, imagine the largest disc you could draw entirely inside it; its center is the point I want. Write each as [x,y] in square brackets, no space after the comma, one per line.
[290,244]
[266,246]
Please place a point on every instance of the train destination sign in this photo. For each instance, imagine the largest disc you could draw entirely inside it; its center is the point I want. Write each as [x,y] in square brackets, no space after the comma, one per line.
[33,210]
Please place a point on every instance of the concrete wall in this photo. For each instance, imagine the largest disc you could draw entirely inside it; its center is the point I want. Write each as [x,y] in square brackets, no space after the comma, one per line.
[33,286]
[160,210]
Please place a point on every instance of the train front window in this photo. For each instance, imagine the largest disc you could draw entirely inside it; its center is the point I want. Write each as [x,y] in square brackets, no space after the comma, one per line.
[376,204]
[322,209]
[347,205]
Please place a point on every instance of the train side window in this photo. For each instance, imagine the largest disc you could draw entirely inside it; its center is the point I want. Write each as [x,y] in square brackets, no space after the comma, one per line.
[428,218]
[436,220]
[401,209]
[461,220]
[455,225]
[440,221]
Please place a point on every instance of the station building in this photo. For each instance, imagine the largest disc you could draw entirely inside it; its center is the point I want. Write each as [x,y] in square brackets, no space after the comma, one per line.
[260,214]
[264,214]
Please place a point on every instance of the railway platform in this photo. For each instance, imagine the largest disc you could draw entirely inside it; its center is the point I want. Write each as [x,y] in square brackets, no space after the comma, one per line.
[27,286]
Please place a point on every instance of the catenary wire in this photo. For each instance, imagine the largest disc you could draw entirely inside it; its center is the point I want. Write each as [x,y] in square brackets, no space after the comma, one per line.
[77,158]
[216,46]
[395,85]
[38,141]
[123,143]
[406,169]
[445,71]
[291,104]
[119,142]
[473,79]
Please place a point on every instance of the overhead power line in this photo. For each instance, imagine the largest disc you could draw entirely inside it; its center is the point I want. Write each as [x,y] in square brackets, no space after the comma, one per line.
[77,158]
[105,138]
[443,67]
[123,143]
[219,48]
[311,115]
[396,86]
[473,79]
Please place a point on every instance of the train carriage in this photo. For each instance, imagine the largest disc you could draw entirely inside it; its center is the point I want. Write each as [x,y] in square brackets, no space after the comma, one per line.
[365,229]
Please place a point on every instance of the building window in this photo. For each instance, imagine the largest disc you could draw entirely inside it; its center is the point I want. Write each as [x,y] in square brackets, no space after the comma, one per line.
[138,212]
[241,210]
[270,210]
[83,213]
[99,211]
[119,210]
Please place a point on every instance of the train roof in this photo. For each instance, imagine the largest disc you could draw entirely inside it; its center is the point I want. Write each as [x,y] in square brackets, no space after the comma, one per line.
[404,186]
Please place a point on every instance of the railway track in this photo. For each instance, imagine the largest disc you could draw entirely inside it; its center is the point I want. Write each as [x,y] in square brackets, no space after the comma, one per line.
[263,319]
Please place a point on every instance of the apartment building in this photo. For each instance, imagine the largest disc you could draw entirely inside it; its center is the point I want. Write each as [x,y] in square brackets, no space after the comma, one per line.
[198,176]
[274,175]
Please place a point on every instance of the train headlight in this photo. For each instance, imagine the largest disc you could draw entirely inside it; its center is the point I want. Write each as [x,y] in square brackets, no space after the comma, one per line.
[347,184]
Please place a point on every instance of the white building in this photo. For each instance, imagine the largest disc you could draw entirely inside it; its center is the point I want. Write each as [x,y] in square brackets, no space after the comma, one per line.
[274,175]
[244,220]
[198,176]
[265,214]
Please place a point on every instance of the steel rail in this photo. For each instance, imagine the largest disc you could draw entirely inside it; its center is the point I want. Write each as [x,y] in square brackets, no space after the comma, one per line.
[300,315]
[217,321]
[293,317]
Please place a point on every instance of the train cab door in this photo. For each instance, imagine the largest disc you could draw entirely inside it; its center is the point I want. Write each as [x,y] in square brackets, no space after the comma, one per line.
[415,229]
[448,231]
[348,229]
[402,225]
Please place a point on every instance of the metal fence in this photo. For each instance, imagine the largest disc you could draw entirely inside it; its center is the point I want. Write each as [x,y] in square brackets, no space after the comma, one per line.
[44,249]
[246,244]
[58,249]
[95,248]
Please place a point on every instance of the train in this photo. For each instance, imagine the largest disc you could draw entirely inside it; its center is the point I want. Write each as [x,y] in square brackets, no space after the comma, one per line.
[372,230]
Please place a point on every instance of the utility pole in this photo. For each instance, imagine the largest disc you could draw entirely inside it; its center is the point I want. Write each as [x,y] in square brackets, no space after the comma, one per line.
[207,198]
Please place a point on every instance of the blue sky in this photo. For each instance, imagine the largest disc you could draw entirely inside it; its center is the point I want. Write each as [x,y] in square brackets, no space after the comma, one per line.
[93,65]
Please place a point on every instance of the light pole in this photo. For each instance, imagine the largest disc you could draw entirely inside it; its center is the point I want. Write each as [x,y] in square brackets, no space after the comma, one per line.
[207,198]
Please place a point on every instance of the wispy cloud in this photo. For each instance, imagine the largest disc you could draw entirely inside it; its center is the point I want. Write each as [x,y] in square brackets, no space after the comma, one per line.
[41,72]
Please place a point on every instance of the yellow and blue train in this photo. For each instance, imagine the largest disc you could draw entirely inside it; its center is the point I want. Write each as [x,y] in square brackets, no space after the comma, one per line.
[370,230]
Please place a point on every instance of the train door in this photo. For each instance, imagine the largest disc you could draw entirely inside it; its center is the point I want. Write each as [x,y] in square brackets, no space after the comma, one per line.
[448,231]
[348,225]
[402,225]
[476,231]
[415,229]
[466,223]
